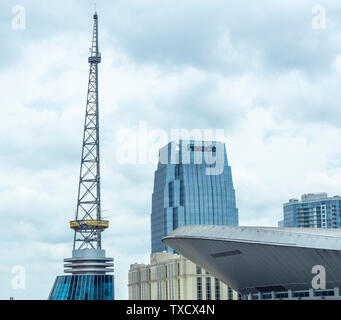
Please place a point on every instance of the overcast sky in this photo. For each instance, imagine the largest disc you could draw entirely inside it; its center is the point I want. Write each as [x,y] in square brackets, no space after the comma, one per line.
[261,71]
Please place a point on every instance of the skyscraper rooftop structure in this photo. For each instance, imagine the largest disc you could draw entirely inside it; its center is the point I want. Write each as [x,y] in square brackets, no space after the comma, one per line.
[192,185]
[88,265]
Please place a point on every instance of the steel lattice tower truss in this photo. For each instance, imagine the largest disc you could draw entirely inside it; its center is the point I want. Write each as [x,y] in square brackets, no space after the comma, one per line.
[88,265]
[88,224]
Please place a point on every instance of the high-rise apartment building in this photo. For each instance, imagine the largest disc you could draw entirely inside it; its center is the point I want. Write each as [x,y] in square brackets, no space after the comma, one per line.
[315,210]
[192,185]
[173,277]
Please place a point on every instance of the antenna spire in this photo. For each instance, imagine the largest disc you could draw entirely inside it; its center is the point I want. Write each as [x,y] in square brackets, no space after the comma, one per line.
[88,224]
[89,265]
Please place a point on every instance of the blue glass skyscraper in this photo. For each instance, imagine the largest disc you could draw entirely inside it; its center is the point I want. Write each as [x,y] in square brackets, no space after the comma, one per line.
[192,185]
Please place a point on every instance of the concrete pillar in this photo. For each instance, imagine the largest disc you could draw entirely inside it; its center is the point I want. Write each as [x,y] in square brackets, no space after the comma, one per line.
[289,294]
[311,293]
[336,292]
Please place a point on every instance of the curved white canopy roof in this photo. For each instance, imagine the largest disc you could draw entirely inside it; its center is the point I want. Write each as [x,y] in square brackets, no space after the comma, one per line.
[252,259]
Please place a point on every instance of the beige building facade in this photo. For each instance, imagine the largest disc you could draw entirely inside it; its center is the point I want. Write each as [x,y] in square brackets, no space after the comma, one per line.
[173,277]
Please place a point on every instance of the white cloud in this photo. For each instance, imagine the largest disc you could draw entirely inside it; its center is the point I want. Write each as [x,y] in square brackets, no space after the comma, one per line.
[259,71]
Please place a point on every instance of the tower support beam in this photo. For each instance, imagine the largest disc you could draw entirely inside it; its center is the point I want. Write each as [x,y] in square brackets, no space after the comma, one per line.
[88,221]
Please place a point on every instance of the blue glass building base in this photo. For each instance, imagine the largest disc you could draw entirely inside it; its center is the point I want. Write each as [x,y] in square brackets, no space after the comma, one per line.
[83,287]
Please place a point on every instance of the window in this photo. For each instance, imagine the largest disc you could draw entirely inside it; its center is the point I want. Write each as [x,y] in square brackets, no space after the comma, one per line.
[171,289]
[217,289]
[143,291]
[182,196]
[134,293]
[281,295]
[198,270]
[171,193]
[299,294]
[229,293]
[324,293]
[159,272]
[159,290]
[266,296]
[179,288]
[208,288]
[143,275]
[166,289]
[199,288]
[171,270]
[175,218]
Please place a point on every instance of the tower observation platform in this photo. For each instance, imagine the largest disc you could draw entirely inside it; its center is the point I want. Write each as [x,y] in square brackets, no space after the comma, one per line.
[87,270]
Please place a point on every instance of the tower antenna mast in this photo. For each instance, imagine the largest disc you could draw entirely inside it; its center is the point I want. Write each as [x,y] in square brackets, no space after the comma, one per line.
[88,224]
[89,265]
